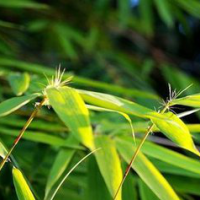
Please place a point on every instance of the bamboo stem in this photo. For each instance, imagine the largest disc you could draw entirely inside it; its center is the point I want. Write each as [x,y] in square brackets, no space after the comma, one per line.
[136,153]
[34,113]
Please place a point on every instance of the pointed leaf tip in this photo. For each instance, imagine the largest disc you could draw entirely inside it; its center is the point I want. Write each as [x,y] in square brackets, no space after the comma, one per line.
[176,130]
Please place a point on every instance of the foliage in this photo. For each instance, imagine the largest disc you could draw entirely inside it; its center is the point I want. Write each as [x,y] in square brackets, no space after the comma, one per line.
[118,66]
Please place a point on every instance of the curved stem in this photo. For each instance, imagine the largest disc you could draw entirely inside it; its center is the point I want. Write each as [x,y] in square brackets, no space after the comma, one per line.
[136,153]
[34,113]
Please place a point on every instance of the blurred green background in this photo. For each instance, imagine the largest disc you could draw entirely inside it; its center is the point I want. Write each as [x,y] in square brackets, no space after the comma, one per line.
[130,48]
[140,44]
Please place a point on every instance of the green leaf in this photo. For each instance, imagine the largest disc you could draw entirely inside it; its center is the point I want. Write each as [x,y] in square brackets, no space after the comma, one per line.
[3,151]
[124,12]
[166,168]
[164,11]
[145,192]
[96,108]
[191,186]
[96,186]
[129,190]
[118,104]
[190,100]
[23,4]
[11,105]
[22,189]
[147,171]
[8,64]
[70,171]
[19,82]
[171,157]
[109,164]
[72,110]
[146,16]
[60,164]
[177,131]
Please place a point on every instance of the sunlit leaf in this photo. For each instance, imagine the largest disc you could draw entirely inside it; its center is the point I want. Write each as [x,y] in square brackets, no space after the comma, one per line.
[72,110]
[177,131]
[171,157]
[3,150]
[22,189]
[147,171]
[109,164]
[11,105]
[168,156]
[115,103]
[191,100]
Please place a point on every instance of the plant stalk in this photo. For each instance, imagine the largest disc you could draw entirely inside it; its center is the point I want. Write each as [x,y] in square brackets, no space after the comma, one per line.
[33,114]
[137,151]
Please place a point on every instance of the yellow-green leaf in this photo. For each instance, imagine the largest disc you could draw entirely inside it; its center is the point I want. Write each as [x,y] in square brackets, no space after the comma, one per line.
[19,82]
[72,110]
[118,104]
[190,100]
[11,105]
[171,157]
[22,189]
[177,131]
[109,164]
[3,151]
[147,171]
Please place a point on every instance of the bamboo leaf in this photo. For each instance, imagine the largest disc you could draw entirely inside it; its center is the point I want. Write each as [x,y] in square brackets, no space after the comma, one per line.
[147,171]
[118,104]
[96,108]
[60,164]
[171,157]
[19,82]
[145,192]
[129,190]
[40,137]
[190,100]
[22,189]
[11,105]
[96,186]
[177,131]
[164,11]
[23,4]
[109,164]
[191,186]
[168,156]
[72,110]
[3,151]
[70,171]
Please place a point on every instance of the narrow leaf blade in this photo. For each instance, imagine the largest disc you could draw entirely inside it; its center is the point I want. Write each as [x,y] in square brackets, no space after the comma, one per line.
[60,164]
[22,189]
[190,100]
[109,164]
[147,171]
[11,105]
[118,104]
